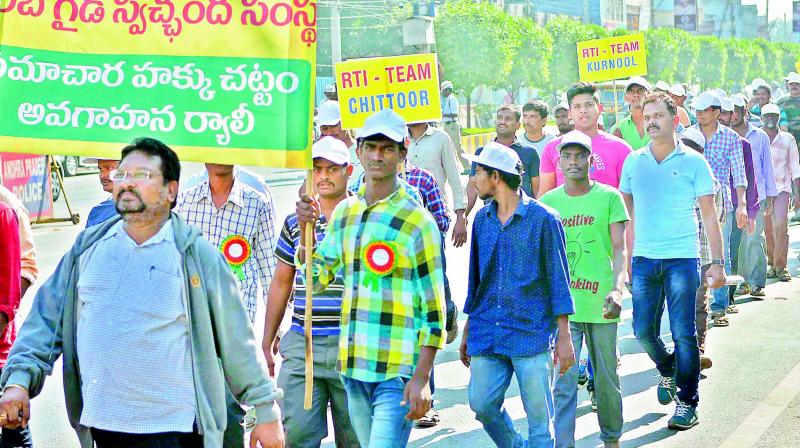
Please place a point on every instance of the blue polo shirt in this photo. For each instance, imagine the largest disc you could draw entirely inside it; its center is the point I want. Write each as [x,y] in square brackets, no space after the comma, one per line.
[664,196]
[518,281]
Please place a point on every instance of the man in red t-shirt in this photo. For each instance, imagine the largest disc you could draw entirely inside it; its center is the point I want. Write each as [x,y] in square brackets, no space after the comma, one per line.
[10,294]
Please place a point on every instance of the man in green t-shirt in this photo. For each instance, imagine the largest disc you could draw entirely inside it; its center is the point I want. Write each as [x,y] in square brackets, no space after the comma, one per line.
[594,218]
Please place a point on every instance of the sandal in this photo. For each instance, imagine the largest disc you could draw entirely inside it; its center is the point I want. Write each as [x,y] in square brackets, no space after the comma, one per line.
[721,321]
[784,276]
[743,290]
[733,309]
[758,292]
[429,420]
[771,273]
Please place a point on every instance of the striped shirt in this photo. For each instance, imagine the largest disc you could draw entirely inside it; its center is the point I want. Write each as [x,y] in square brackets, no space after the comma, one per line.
[327,308]
[249,214]
[725,155]
[393,303]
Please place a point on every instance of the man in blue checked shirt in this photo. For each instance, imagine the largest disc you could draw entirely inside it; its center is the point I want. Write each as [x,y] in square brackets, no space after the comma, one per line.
[237,218]
[518,302]
[306,428]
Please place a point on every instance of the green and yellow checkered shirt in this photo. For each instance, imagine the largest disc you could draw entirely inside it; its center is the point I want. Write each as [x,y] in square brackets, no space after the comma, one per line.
[393,299]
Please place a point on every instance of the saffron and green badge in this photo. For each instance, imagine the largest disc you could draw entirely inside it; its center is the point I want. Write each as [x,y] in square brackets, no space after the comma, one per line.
[236,250]
[380,257]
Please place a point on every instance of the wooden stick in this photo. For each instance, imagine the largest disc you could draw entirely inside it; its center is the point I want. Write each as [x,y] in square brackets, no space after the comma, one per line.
[309,230]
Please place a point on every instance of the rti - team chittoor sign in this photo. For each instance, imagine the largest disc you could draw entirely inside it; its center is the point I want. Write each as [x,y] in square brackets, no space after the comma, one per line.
[409,85]
[612,58]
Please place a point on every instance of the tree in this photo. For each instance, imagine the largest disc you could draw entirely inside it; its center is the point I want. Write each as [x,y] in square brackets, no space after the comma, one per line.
[530,63]
[474,46]
[741,57]
[566,34]
[664,53]
[711,65]
[773,56]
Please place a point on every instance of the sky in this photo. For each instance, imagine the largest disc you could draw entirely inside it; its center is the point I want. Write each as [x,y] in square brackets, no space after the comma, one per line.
[777,8]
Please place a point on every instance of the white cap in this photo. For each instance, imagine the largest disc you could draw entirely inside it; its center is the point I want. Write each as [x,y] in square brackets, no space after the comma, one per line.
[662,85]
[637,80]
[95,160]
[328,113]
[677,90]
[561,105]
[330,88]
[446,85]
[789,75]
[332,149]
[720,93]
[793,78]
[706,100]
[386,122]
[497,156]
[770,108]
[739,100]
[726,104]
[694,135]
[575,138]
[759,82]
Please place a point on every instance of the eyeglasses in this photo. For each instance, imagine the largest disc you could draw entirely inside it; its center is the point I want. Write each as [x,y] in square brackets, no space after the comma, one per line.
[135,176]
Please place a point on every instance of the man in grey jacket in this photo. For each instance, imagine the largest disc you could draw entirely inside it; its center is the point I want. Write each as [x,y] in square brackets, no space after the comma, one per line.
[148,317]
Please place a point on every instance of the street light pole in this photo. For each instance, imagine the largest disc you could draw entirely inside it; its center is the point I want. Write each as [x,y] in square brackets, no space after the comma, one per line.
[336,34]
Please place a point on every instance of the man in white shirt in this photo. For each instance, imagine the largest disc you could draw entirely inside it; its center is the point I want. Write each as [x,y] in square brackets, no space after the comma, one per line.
[450,119]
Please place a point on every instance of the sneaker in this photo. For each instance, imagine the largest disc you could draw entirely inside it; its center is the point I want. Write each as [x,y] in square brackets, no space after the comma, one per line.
[685,417]
[667,388]
[593,399]
[451,324]
[705,362]
[583,373]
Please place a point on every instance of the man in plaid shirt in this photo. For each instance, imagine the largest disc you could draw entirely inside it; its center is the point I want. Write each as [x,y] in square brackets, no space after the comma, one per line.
[236,216]
[389,248]
[724,153]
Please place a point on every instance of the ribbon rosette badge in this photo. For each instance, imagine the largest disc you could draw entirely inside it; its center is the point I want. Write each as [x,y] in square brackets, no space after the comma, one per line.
[381,257]
[236,250]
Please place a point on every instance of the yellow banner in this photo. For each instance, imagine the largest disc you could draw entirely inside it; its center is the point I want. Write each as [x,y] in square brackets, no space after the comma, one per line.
[407,84]
[612,58]
[225,81]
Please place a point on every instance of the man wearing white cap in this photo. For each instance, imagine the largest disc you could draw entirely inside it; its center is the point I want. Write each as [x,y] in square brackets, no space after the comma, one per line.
[106,209]
[726,117]
[678,94]
[517,297]
[752,255]
[450,119]
[725,155]
[227,209]
[329,120]
[594,218]
[693,138]
[790,106]
[330,93]
[563,122]
[786,168]
[762,95]
[608,151]
[389,249]
[666,175]
[307,428]
[631,128]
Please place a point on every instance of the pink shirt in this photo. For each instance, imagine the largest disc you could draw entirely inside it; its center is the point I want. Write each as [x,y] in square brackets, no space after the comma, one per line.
[608,156]
[785,163]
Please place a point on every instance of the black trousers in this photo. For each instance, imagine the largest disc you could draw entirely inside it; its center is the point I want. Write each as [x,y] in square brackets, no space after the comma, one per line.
[110,439]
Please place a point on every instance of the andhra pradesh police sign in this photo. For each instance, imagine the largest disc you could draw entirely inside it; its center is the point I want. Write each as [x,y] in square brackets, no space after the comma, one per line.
[407,84]
[612,58]
[226,81]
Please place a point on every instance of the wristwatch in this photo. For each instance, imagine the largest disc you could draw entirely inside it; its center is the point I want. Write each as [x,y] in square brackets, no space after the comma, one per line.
[719,262]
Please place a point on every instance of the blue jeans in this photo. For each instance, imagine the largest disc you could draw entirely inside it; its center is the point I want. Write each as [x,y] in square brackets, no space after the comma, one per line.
[719,303]
[674,281]
[489,380]
[376,414]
